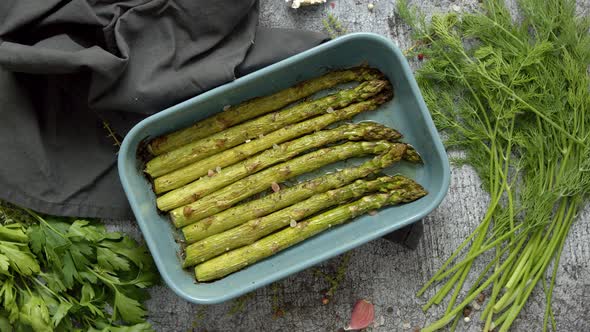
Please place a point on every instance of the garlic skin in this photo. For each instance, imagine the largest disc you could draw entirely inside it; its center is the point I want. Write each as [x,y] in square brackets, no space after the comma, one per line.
[298,3]
[275,187]
[362,316]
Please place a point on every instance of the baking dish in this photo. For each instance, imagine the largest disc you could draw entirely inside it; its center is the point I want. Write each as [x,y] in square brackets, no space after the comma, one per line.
[407,112]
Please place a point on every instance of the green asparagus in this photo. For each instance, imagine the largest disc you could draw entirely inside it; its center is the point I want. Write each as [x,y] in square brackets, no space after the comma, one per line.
[255,229]
[191,192]
[233,136]
[257,107]
[253,184]
[200,168]
[237,215]
[412,155]
[237,259]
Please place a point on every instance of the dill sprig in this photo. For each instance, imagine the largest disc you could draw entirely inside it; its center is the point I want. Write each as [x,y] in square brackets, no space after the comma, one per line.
[514,98]
[239,304]
[111,133]
[333,26]
[334,279]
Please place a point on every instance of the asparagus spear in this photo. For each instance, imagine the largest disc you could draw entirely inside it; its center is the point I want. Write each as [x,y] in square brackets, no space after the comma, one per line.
[253,184]
[255,229]
[258,106]
[200,168]
[261,207]
[233,136]
[200,188]
[237,259]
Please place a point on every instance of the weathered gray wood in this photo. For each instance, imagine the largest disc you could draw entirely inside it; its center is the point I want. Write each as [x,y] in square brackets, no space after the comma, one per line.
[385,273]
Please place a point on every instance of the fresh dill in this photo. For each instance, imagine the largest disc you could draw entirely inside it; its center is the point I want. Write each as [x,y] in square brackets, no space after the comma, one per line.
[111,133]
[239,304]
[514,98]
[278,310]
[199,318]
[333,26]
[335,279]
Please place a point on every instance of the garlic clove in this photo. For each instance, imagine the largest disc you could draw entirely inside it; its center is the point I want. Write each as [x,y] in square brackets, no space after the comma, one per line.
[362,316]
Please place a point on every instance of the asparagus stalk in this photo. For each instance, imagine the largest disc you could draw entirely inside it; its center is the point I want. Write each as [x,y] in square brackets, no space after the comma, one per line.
[255,229]
[206,185]
[253,184]
[257,107]
[200,168]
[237,259]
[201,149]
[261,207]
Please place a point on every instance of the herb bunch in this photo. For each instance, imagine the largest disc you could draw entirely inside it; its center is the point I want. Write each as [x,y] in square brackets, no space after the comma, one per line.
[58,274]
[514,98]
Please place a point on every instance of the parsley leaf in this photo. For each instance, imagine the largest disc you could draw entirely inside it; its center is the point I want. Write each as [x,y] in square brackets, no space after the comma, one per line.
[20,258]
[129,309]
[109,260]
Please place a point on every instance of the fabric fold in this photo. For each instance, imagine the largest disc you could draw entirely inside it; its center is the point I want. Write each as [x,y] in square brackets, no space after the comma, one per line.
[67,67]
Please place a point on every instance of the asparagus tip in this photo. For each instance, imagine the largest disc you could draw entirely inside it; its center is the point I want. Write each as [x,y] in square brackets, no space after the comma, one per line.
[368,73]
[389,183]
[412,193]
[393,154]
[376,131]
[412,155]
[385,95]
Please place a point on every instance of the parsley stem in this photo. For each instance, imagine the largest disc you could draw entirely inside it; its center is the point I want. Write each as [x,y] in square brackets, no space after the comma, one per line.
[43,221]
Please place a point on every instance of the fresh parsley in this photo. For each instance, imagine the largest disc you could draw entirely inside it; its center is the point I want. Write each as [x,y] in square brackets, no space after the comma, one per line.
[59,274]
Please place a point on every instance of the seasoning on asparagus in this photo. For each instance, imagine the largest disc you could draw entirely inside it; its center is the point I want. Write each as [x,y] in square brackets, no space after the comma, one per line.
[237,215]
[255,229]
[253,184]
[189,173]
[367,131]
[233,136]
[257,107]
[237,259]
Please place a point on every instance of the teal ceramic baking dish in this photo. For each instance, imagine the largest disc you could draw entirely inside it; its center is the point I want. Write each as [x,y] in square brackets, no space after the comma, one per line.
[406,112]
